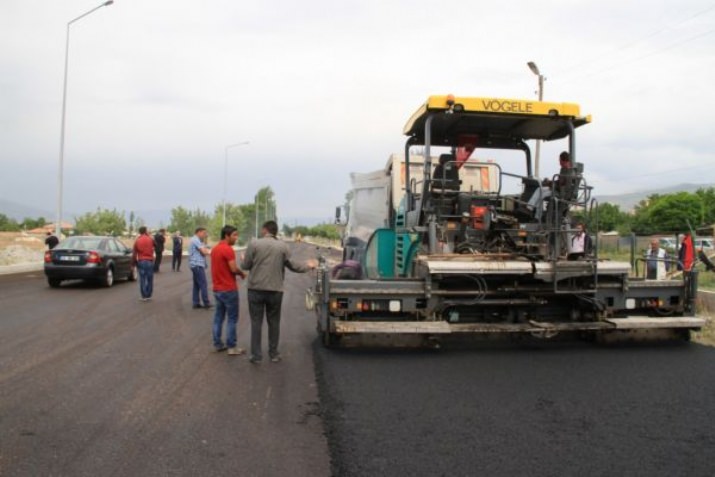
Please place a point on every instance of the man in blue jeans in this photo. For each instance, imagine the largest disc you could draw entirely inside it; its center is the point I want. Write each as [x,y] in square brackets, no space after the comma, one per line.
[223,274]
[197,262]
[143,259]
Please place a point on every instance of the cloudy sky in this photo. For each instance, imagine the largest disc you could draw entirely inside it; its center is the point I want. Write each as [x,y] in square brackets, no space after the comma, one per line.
[320,88]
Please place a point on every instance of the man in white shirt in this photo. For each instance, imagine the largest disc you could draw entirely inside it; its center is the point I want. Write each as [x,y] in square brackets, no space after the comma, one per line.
[655,261]
[581,244]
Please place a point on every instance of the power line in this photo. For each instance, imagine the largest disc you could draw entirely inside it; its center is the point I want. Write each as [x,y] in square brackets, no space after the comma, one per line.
[637,41]
[639,58]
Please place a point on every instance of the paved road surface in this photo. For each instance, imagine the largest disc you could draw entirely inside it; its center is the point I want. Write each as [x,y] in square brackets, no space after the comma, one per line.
[91,381]
[560,410]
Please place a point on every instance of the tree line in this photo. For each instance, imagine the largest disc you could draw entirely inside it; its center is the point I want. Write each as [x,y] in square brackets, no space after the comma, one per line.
[659,213]
[328,231]
[8,224]
[246,217]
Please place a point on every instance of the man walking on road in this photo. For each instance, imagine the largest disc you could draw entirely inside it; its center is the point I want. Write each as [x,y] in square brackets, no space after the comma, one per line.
[223,274]
[267,259]
[197,262]
[177,250]
[159,241]
[143,259]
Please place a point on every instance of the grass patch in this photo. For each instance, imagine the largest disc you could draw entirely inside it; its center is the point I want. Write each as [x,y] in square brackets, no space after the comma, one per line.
[706,335]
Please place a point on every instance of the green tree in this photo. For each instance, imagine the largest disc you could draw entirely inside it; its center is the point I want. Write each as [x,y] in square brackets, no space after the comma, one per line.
[201,219]
[610,217]
[101,222]
[244,217]
[326,230]
[8,224]
[642,223]
[30,223]
[132,219]
[186,221]
[707,207]
[256,213]
[234,216]
[182,220]
[673,212]
[668,213]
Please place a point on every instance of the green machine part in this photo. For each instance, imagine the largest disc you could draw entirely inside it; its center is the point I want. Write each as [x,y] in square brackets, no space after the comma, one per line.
[406,244]
[380,254]
[406,249]
[390,254]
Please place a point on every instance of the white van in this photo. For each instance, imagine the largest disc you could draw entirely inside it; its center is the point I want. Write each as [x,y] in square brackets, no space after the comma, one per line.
[706,243]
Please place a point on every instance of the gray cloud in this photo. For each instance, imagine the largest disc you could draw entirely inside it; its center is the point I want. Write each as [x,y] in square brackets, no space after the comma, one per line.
[157,89]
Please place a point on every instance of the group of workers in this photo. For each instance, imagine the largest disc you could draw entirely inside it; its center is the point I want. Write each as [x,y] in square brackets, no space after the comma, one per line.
[266,259]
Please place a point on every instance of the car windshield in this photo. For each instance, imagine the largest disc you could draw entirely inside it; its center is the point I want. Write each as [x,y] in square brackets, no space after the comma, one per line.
[81,243]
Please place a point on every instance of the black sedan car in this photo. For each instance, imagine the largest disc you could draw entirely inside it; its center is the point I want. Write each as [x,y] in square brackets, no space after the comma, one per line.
[91,258]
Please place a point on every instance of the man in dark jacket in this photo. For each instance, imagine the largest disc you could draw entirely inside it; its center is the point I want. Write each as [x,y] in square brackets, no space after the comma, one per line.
[176,251]
[51,241]
[159,240]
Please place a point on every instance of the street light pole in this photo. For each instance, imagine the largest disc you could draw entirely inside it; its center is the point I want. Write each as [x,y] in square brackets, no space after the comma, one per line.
[58,225]
[256,207]
[225,178]
[535,69]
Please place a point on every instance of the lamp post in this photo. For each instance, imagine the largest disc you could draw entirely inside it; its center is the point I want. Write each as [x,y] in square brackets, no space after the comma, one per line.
[225,178]
[256,207]
[535,69]
[58,225]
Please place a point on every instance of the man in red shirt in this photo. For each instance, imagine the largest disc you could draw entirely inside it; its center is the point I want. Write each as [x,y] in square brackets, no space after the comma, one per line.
[143,259]
[223,275]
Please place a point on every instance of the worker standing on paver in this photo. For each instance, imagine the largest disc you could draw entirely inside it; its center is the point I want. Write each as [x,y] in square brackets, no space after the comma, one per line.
[267,258]
[223,275]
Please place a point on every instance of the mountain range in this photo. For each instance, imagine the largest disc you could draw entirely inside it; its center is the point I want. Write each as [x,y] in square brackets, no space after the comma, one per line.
[628,201]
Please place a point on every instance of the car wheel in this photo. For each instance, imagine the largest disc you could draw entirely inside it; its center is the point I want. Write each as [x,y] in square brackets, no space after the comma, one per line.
[132,274]
[54,282]
[108,279]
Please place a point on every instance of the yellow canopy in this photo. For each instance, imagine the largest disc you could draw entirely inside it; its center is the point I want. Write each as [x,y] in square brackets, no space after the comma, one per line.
[502,120]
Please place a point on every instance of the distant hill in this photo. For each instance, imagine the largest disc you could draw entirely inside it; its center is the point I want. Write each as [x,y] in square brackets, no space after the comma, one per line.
[21,211]
[627,202]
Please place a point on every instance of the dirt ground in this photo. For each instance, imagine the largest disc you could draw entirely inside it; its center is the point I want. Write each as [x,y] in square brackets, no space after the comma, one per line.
[19,247]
